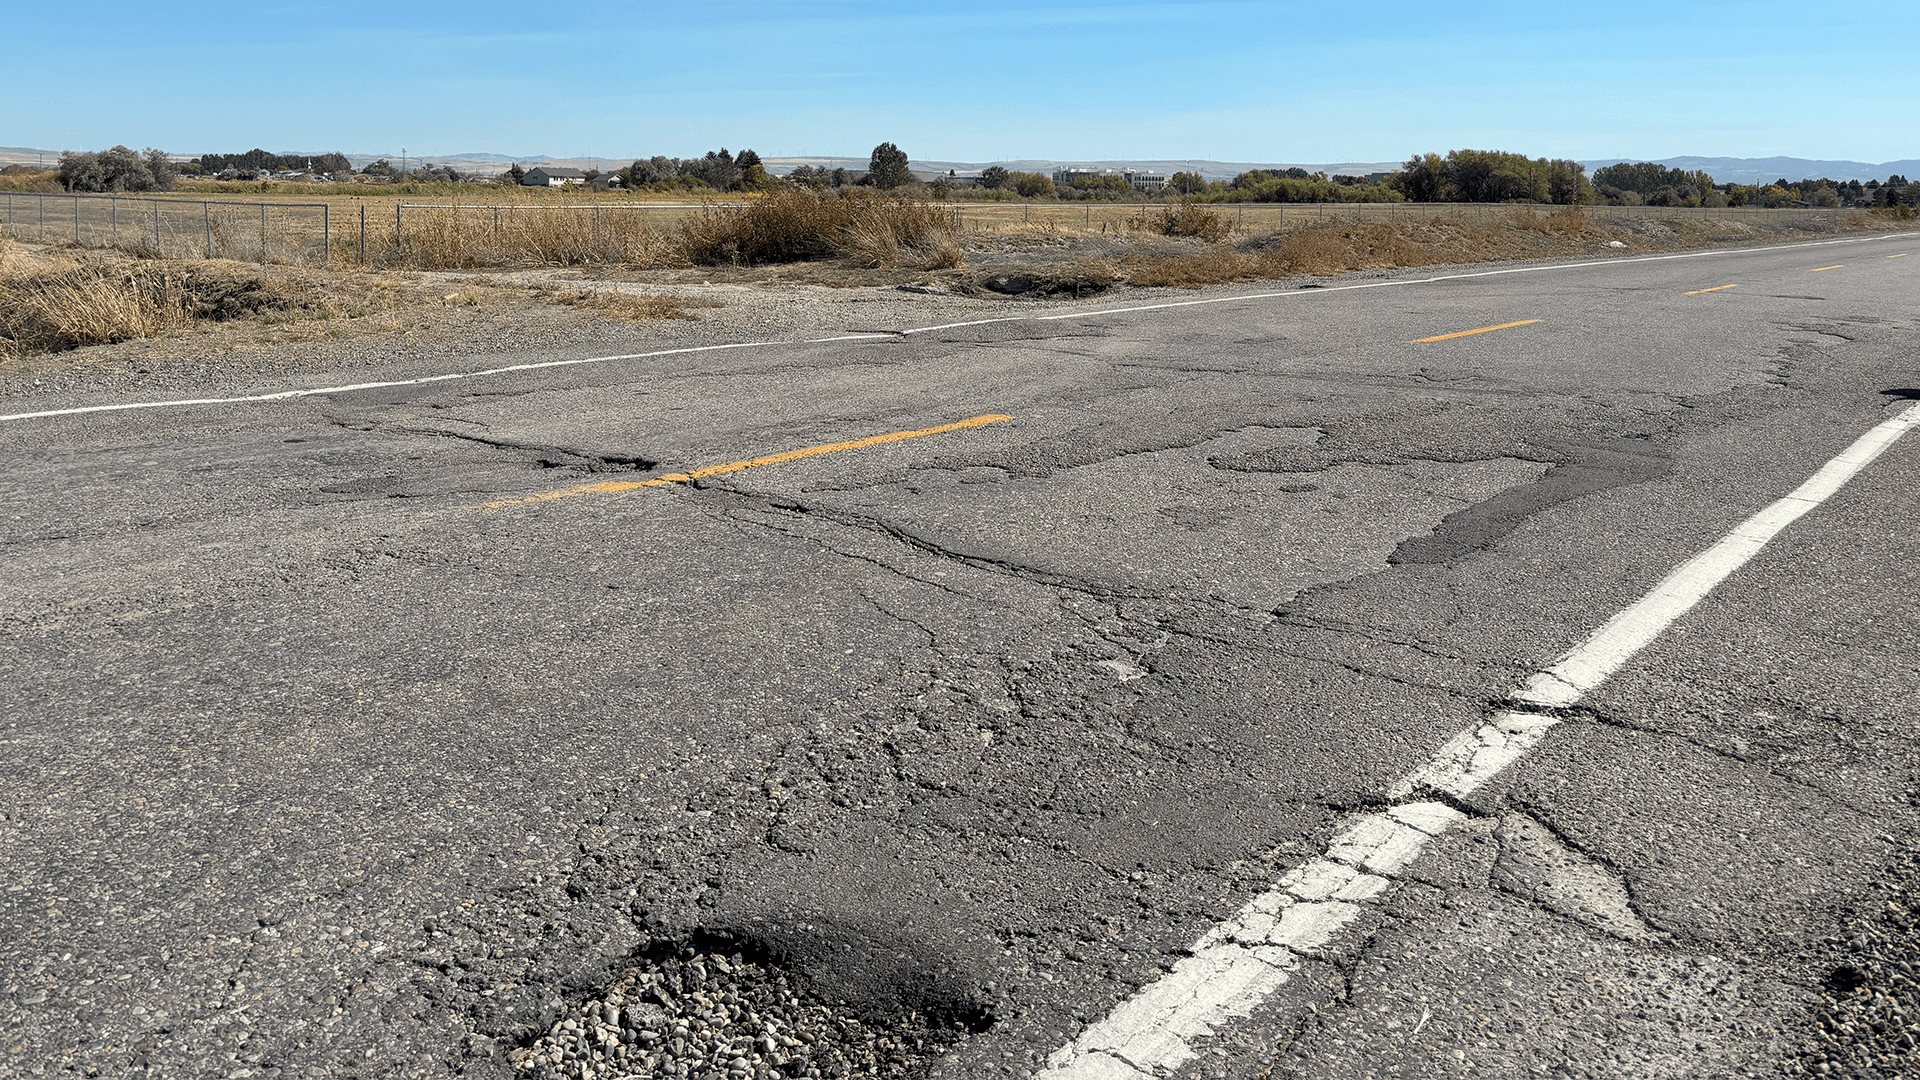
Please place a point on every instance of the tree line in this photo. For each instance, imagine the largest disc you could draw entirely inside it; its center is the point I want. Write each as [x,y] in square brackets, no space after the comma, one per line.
[1469,176]
[258,161]
[720,170]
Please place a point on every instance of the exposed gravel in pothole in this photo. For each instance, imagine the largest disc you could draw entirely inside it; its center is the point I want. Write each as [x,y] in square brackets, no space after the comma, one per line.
[1869,1016]
[713,1010]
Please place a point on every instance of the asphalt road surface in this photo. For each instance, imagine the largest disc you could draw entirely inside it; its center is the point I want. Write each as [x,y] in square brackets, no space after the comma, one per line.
[409,731]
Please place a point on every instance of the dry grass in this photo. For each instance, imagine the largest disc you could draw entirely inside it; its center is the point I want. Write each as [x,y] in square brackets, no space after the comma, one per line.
[54,300]
[797,226]
[1184,219]
[47,306]
[633,307]
[1347,247]
[789,226]
[450,238]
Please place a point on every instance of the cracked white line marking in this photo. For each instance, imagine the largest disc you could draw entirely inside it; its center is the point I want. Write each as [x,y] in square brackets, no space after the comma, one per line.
[1242,961]
[1628,632]
[286,395]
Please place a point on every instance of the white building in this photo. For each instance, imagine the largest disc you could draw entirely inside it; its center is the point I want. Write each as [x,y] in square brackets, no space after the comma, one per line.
[1139,180]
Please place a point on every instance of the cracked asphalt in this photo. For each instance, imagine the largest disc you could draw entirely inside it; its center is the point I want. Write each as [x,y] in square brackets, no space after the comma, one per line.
[320,768]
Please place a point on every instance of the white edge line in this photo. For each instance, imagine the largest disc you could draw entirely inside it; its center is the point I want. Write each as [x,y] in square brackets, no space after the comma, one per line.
[284,395]
[1634,627]
[1400,283]
[1242,961]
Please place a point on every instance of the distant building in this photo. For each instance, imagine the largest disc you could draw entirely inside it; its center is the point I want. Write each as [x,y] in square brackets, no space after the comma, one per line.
[552,176]
[608,181]
[1137,179]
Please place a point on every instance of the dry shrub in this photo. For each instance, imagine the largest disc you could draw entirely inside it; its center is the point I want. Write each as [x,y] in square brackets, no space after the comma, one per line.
[1330,249]
[50,311]
[1220,265]
[796,226]
[1184,219]
[1565,221]
[1340,248]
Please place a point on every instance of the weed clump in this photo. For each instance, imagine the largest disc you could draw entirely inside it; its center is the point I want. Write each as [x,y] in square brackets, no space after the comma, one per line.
[1184,219]
[50,310]
[797,226]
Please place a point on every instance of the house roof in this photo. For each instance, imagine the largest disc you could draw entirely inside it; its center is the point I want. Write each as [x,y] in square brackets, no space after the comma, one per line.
[559,173]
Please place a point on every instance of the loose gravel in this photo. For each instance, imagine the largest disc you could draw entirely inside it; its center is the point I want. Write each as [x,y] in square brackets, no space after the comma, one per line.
[1869,1014]
[707,1011]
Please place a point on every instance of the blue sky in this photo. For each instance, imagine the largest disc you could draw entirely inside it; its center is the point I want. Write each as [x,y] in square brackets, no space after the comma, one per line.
[973,81]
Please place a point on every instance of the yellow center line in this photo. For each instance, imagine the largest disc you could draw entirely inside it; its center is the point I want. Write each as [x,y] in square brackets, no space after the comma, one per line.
[1817,269]
[1470,333]
[1716,288]
[614,486]
[1902,255]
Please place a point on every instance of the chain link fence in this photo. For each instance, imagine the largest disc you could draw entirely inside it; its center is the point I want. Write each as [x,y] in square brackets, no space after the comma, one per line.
[297,234]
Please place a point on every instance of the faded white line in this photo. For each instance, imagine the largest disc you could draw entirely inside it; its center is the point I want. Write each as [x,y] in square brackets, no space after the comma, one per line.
[1243,961]
[320,391]
[285,395]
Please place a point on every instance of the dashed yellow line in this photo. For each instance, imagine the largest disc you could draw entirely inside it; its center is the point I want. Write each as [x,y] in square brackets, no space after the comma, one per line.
[612,487]
[1470,333]
[1716,288]
[1817,269]
[1902,255]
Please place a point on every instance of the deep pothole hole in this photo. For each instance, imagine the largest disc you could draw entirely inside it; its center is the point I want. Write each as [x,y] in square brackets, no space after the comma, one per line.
[720,1005]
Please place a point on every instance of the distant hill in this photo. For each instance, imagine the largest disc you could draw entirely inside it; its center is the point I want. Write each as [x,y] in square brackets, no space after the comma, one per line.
[27,155]
[1728,170]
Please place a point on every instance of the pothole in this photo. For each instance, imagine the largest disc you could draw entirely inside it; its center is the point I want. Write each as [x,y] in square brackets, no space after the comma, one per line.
[720,1006]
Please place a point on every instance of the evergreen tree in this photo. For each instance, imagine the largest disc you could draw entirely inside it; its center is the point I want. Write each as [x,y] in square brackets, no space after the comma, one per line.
[887,168]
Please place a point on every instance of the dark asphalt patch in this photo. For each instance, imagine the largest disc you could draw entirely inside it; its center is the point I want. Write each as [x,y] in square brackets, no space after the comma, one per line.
[1587,471]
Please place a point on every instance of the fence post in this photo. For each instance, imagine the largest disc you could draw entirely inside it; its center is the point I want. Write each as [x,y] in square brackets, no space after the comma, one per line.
[43,221]
[206,211]
[113,220]
[399,237]
[326,235]
[76,221]
[263,234]
[363,234]
[156,225]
